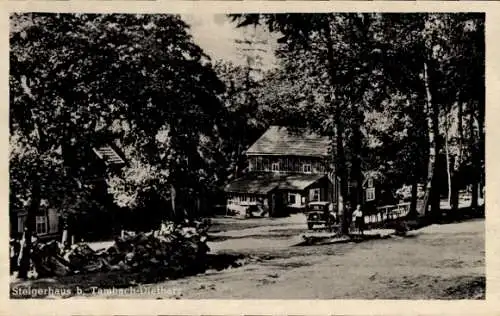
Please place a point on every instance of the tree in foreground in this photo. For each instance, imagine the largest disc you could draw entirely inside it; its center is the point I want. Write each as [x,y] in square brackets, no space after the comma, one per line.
[77,79]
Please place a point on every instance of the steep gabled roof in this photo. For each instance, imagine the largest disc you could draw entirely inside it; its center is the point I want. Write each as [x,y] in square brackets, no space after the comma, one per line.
[280,140]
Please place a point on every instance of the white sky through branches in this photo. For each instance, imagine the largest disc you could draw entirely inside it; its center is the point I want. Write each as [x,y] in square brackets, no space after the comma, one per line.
[216,35]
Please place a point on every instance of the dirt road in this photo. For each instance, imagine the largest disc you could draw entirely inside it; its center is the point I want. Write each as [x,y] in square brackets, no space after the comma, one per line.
[436,262]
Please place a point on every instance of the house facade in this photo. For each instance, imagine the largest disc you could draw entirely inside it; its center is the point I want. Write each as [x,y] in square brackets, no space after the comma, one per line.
[287,168]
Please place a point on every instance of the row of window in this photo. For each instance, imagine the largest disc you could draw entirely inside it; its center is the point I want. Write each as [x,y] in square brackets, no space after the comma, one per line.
[242,198]
[263,164]
[306,168]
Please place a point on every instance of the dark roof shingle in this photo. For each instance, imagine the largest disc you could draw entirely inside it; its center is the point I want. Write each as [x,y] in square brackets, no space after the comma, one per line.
[280,140]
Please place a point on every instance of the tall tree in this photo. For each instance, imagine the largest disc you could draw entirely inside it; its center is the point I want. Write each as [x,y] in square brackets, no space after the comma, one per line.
[143,85]
[338,50]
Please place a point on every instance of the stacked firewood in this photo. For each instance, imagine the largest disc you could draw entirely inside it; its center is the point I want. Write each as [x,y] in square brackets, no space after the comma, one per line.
[173,251]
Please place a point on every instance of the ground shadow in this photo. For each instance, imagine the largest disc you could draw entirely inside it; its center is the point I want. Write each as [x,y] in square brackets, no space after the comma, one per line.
[81,284]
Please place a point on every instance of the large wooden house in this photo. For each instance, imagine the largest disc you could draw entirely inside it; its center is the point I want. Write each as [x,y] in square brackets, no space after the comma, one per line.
[287,168]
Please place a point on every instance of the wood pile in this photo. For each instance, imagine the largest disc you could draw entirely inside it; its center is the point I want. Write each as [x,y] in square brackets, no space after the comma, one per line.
[175,250]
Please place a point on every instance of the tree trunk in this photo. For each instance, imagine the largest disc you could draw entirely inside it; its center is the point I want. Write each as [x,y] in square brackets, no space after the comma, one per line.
[25,252]
[447,150]
[454,187]
[356,172]
[481,150]
[30,224]
[457,163]
[238,161]
[339,154]
[475,161]
[346,212]
[431,203]
[480,153]
[475,195]
[412,214]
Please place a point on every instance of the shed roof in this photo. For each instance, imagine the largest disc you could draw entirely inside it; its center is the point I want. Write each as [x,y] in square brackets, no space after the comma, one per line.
[298,181]
[263,183]
[281,140]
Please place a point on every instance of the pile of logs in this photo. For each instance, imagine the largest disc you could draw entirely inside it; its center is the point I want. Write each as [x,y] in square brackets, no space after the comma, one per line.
[176,250]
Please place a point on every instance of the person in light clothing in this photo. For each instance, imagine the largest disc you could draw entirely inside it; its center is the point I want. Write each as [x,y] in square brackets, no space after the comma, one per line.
[359,219]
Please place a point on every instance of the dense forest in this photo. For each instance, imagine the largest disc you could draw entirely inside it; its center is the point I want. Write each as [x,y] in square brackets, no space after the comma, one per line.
[399,94]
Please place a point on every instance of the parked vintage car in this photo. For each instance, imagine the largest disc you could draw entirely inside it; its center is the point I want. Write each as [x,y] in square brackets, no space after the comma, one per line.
[318,213]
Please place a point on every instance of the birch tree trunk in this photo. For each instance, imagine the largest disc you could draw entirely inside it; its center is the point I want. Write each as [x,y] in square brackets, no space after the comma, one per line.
[457,162]
[479,153]
[447,150]
[481,146]
[431,203]
[475,161]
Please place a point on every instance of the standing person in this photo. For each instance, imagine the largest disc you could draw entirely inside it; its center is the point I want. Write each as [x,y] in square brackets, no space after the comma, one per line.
[359,219]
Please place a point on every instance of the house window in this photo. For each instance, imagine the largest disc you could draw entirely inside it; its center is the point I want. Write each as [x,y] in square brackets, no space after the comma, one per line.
[370,183]
[306,168]
[275,166]
[315,195]
[370,194]
[41,225]
[292,198]
[252,198]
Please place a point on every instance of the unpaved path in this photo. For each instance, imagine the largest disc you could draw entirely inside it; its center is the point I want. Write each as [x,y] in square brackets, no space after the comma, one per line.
[439,261]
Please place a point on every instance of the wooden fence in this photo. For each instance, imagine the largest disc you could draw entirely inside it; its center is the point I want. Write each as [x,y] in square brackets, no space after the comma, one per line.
[387,213]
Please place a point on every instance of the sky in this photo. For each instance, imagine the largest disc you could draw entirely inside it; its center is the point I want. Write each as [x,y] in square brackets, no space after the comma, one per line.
[216,35]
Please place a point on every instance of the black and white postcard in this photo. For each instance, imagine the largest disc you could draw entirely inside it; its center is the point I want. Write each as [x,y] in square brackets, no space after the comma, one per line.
[246,155]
